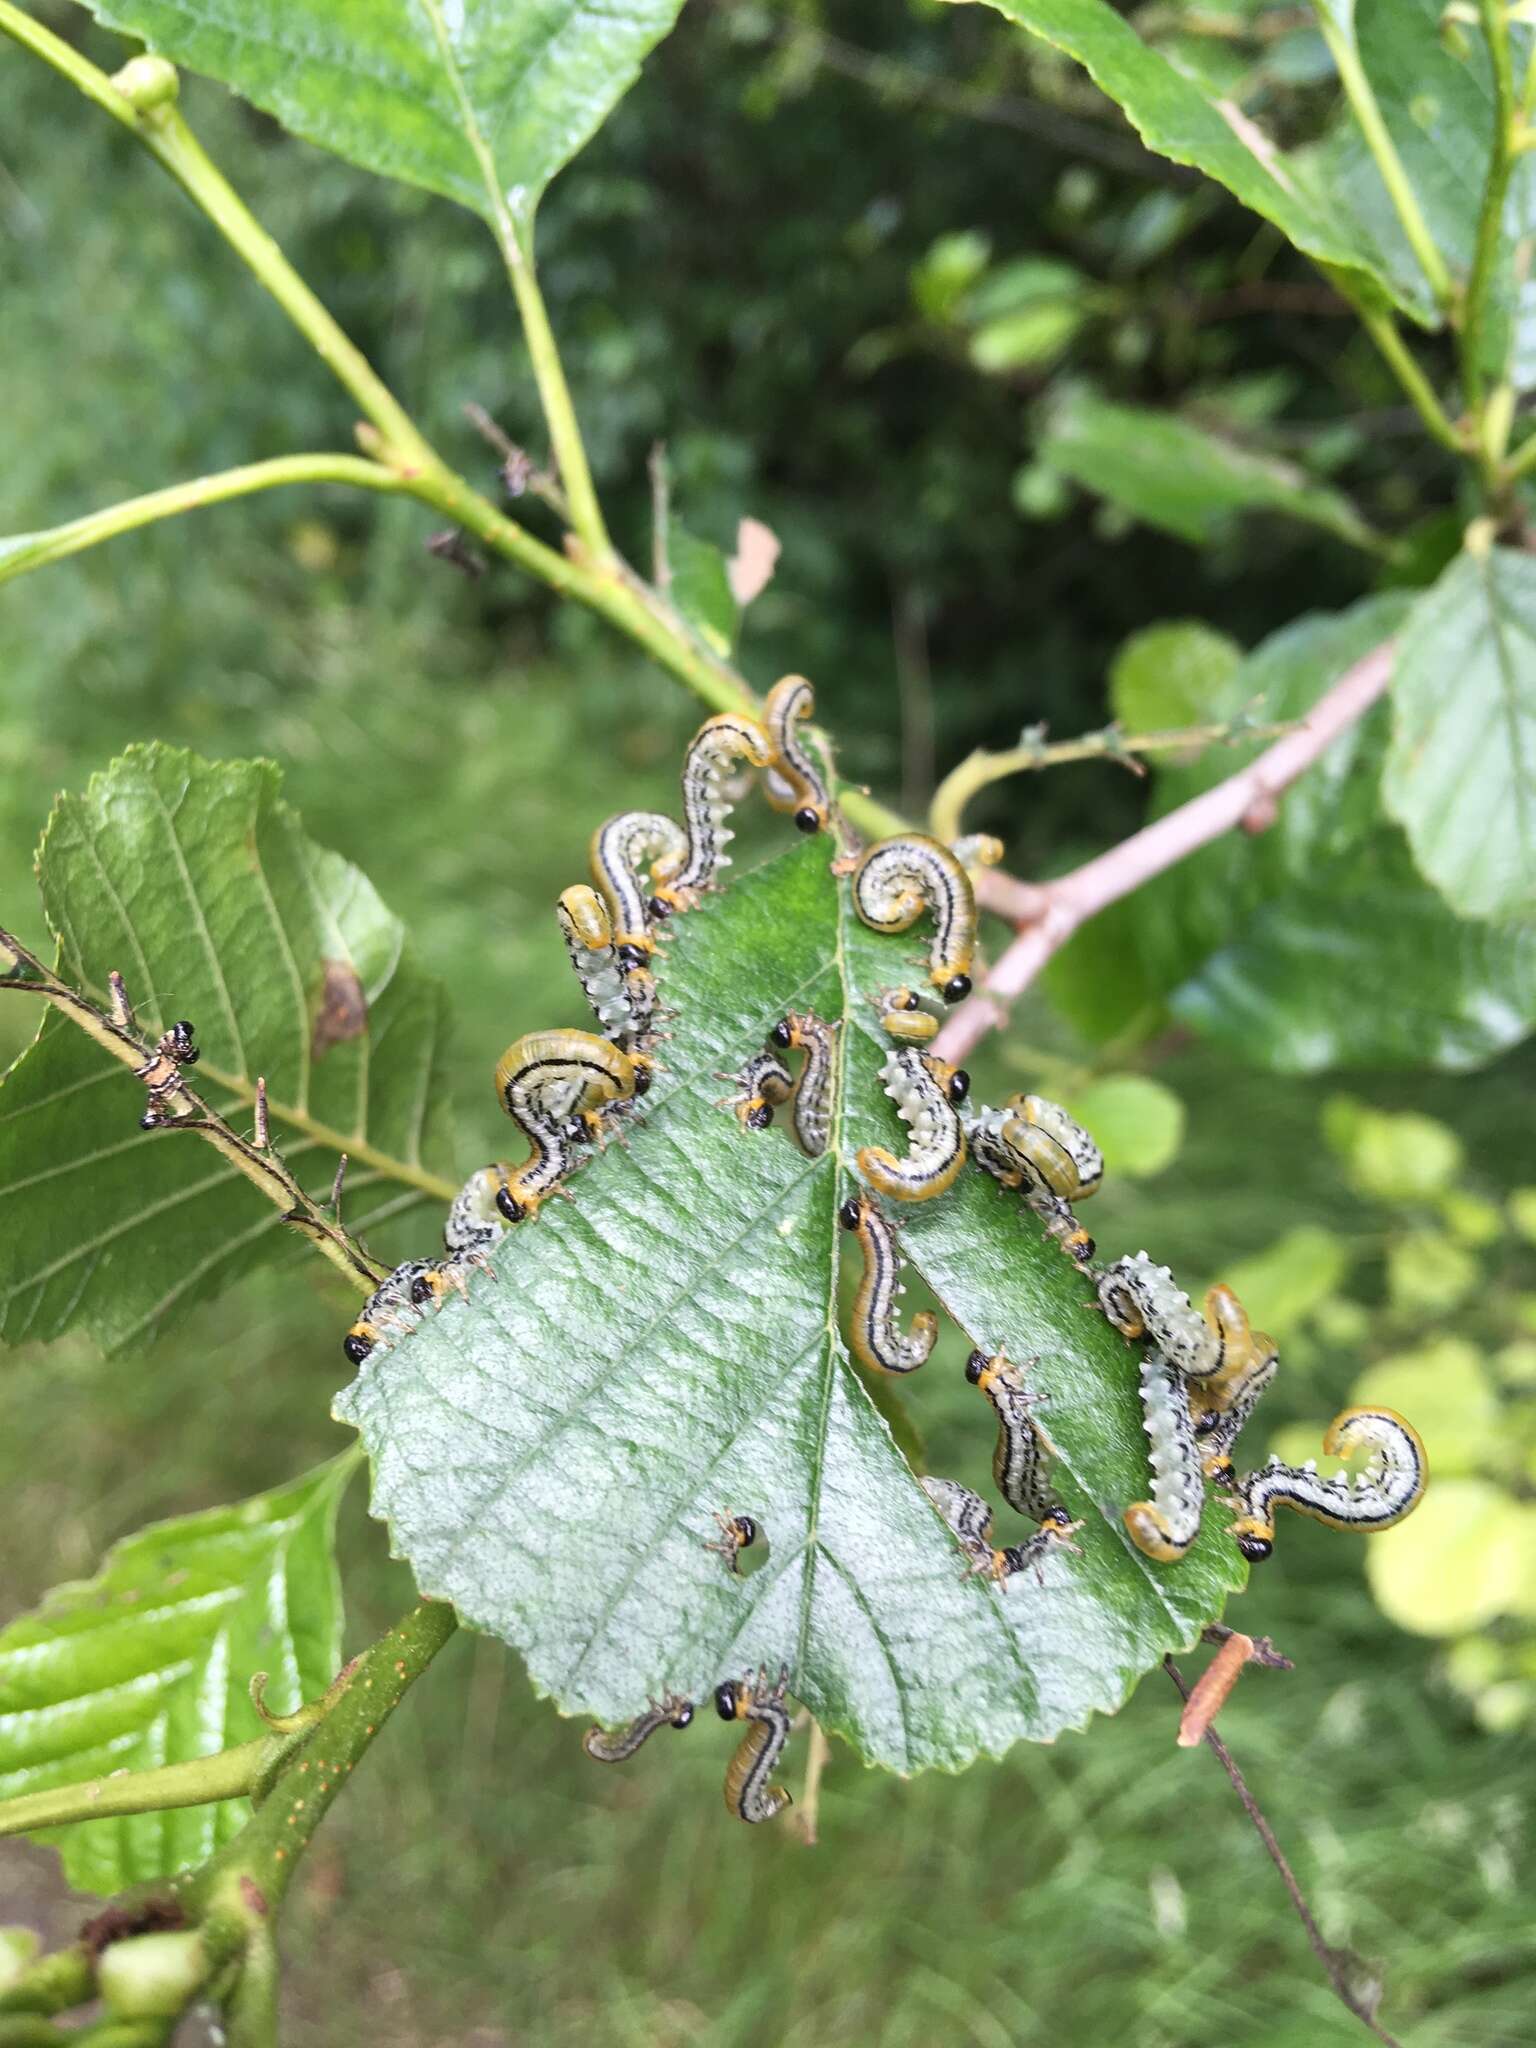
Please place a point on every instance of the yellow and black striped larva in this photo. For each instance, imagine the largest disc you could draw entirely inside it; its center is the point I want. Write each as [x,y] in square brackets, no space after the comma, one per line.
[1388,1489]
[620,849]
[1144,1300]
[792,781]
[546,1082]
[392,1305]
[161,1072]
[747,1792]
[1222,1404]
[897,879]
[618,1745]
[475,1222]
[1166,1525]
[876,1338]
[620,991]
[737,1533]
[680,879]
[763,1084]
[905,1015]
[970,1518]
[927,1094]
[1022,1460]
[1043,1155]
[803,1031]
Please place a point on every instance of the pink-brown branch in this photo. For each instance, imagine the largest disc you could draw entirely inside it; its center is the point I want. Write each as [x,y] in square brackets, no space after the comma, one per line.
[1047,914]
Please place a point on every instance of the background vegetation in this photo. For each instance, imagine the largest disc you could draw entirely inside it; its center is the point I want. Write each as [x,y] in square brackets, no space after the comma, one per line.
[770,258]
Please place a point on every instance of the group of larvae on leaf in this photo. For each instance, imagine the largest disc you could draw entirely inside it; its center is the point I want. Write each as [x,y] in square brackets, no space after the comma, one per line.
[568,1090]
[759,1702]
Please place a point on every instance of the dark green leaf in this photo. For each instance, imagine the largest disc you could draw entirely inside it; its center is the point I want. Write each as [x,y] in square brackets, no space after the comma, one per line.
[1461,770]
[1178,476]
[150,1662]
[550,1453]
[701,588]
[196,882]
[1172,674]
[481,103]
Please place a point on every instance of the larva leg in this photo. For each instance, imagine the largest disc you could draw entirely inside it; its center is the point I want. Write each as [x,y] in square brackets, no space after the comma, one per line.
[927,1094]
[618,1745]
[1165,1526]
[737,1533]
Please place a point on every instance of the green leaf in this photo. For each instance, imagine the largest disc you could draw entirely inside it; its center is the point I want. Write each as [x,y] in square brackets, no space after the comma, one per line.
[550,1454]
[1139,1124]
[1444,1391]
[1179,118]
[1428,1273]
[1393,1155]
[1178,476]
[482,103]
[1030,339]
[701,588]
[1461,771]
[947,270]
[1285,1283]
[1176,673]
[1457,1562]
[149,1662]
[195,880]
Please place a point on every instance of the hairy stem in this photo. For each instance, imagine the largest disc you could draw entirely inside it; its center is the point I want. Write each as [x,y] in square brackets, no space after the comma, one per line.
[1490,221]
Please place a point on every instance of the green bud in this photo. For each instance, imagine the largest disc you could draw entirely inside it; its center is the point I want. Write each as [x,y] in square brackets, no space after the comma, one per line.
[19,1948]
[152,1976]
[147,83]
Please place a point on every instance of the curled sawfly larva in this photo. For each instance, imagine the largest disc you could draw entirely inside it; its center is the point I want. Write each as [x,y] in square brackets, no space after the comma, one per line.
[394,1305]
[1144,1300]
[737,1533]
[876,1338]
[1020,1157]
[762,1086]
[747,1792]
[475,1222]
[618,1745]
[1222,1404]
[620,993]
[1388,1489]
[1061,1155]
[549,1082]
[905,1015]
[897,879]
[620,849]
[803,1031]
[792,781]
[927,1094]
[679,879]
[1022,1459]
[970,1518]
[1166,1525]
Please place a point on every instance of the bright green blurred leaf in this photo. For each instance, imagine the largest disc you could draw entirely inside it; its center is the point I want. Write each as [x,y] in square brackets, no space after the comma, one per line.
[1025,283]
[1394,1155]
[701,588]
[1446,1394]
[1282,1285]
[1341,1322]
[666,1345]
[1428,1273]
[1517,1364]
[1457,1561]
[1138,1123]
[195,879]
[476,102]
[1039,493]
[1471,1220]
[1030,339]
[946,271]
[1503,1708]
[1174,674]
[1522,1212]
[1176,475]
[1460,776]
[150,1662]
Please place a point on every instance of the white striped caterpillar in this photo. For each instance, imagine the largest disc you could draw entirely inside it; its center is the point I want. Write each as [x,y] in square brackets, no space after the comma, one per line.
[897,879]
[546,1081]
[747,1792]
[1166,1525]
[927,1094]
[620,992]
[803,1031]
[876,1339]
[763,1084]
[1055,1147]
[1144,1300]
[679,879]
[792,781]
[1222,1404]
[970,1518]
[1042,1156]
[409,1287]
[737,1533]
[474,1222]
[618,1745]
[1022,1459]
[1388,1489]
[620,849]
[161,1072]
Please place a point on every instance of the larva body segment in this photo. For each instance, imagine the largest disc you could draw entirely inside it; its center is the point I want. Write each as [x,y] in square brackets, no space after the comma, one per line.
[905,1016]
[927,1094]
[622,997]
[762,1085]
[897,879]
[1222,1404]
[803,1031]
[792,780]
[970,1518]
[1022,1459]
[620,849]
[1017,1157]
[1142,1299]
[1062,1155]
[395,1304]
[1388,1489]
[618,1745]
[474,1221]
[1165,1526]
[747,1792]
[681,878]
[876,1338]
[546,1082]
[977,850]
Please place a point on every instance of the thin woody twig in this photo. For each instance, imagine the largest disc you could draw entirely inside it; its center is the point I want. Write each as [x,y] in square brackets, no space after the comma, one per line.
[1333,1960]
[1054,910]
[1213,1688]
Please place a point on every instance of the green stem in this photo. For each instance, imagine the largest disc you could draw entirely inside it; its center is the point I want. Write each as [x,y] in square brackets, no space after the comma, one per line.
[1490,222]
[1362,100]
[35,550]
[229,1775]
[1382,329]
[1521,463]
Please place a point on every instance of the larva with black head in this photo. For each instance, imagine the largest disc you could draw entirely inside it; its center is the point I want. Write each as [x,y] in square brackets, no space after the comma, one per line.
[803,1031]
[762,1086]
[737,1533]
[680,879]
[1144,1300]
[970,1518]
[927,1094]
[876,1338]
[618,1745]
[1385,1493]
[621,994]
[1165,1526]
[546,1082]
[897,879]
[905,1016]
[1018,1158]
[1222,1404]
[1022,1459]
[620,849]
[747,1792]
[394,1305]
[792,780]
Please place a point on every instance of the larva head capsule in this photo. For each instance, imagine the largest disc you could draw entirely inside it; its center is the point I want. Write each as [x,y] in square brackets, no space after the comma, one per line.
[956,989]
[957,1085]
[1253,1546]
[356,1346]
[634,959]
[809,818]
[975,1366]
[730,1699]
[510,1207]
[851,1214]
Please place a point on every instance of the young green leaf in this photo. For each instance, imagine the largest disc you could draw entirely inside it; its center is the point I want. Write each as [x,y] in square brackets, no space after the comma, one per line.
[195,881]
[149,1663]
[476,103]
[551,1453]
